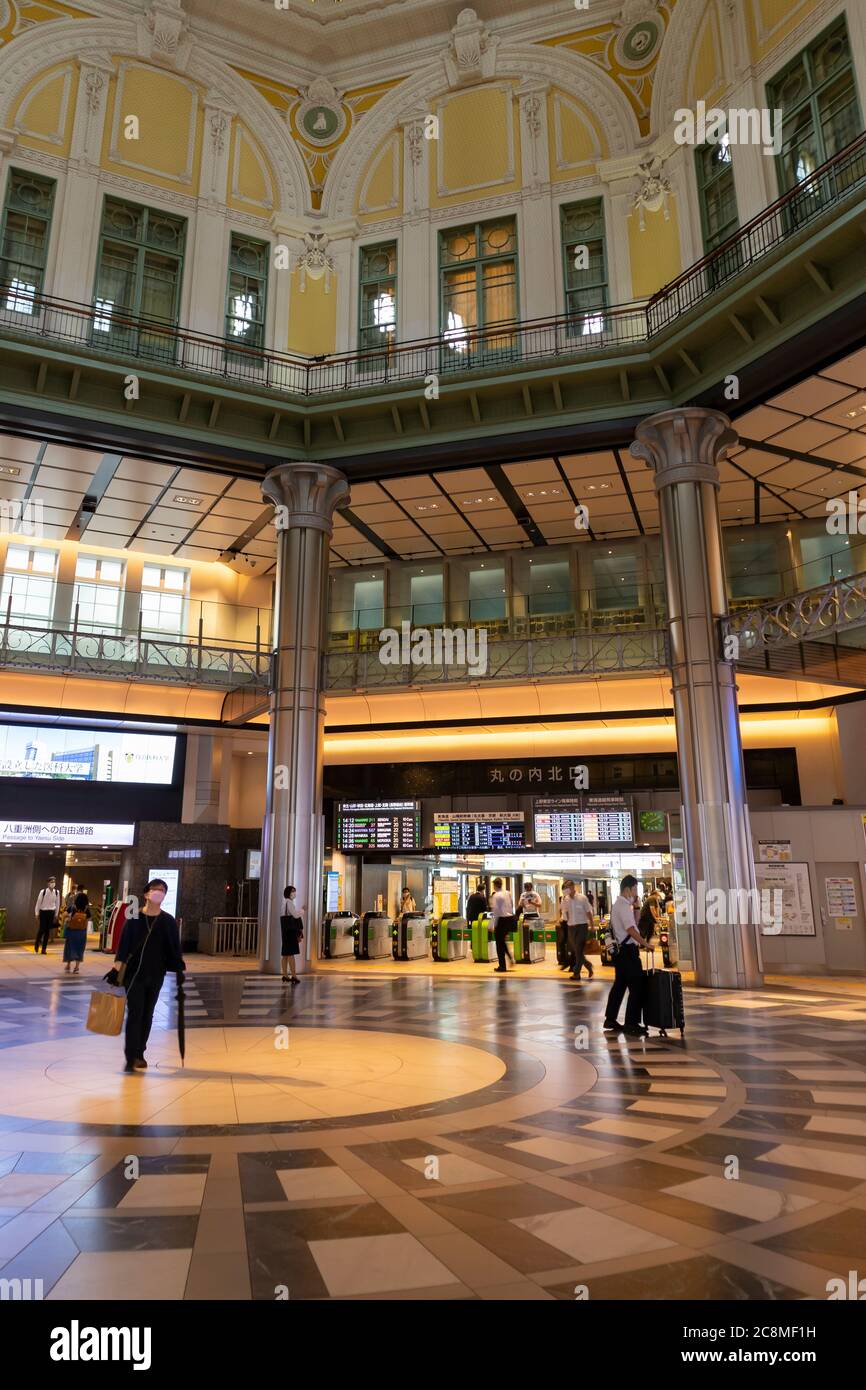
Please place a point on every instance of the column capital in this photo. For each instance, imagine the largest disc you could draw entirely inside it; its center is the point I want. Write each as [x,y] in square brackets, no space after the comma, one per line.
[308,493]
[685,445]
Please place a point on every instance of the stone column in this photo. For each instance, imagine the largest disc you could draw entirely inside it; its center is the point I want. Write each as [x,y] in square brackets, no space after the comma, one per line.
[684,447]
[306,496]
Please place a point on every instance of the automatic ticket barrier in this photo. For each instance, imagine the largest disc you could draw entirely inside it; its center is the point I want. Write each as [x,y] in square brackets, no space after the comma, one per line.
[373,936]
[450,937]
[339,933]
[409,936]
[483,943]
[530,938]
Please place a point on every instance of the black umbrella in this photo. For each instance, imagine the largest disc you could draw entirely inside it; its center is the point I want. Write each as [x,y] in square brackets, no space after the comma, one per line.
[181,1021]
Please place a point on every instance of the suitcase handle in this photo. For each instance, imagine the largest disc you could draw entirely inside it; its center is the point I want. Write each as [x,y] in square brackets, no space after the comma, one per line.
[651,952]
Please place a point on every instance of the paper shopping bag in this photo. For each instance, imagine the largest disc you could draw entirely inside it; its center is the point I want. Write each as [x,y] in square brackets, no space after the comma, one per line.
[105,1014]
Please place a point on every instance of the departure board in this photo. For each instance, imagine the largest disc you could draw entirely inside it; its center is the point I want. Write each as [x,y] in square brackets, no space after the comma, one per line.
[378,825]
[482,830]
[569,822]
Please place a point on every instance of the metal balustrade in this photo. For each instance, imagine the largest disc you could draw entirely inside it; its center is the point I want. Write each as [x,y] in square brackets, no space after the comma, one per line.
[229,936]
[815,613]
[581,654]
[34,647]
[108,332]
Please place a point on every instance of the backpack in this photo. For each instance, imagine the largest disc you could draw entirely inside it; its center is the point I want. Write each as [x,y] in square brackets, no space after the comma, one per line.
[77,922]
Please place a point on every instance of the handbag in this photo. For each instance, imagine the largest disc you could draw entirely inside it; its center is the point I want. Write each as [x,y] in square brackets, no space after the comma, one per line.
[105,1015]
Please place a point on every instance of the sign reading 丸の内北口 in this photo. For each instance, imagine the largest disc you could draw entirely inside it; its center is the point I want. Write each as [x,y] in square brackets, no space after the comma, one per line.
[16,832]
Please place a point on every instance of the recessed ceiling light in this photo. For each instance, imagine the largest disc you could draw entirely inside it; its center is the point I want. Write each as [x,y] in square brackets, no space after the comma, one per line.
[8,471]
[183,498]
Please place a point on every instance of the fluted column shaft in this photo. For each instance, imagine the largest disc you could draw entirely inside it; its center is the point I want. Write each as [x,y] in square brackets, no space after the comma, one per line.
[305,496]
[683,448]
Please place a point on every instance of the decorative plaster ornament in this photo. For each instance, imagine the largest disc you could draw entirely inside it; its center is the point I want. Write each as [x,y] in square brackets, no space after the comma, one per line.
[163,34]
[655,187]
[471,54]
[320,116]
[635,10]
[314,260]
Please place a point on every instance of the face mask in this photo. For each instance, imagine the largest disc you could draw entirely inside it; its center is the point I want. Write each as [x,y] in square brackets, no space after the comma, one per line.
[156,895]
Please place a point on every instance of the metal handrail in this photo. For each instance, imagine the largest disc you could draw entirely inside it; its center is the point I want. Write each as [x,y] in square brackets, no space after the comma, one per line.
[822,611]
[509,343]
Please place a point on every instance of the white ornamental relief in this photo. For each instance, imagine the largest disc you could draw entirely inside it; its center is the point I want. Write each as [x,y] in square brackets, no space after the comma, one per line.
[654,190]
[163,33]
[471,54]
[314,261]
[218,127]
[94,86]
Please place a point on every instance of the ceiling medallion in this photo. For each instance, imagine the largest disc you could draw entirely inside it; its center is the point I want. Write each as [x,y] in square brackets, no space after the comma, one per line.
[638,45]
[320,117]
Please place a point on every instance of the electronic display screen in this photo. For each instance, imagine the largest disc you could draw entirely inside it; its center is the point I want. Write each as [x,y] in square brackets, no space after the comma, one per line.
[86,755]
[569,821]
[481,830]
[378,825]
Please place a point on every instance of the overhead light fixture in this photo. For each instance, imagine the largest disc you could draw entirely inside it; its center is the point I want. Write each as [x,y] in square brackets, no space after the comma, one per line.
[8,471]
[184,499]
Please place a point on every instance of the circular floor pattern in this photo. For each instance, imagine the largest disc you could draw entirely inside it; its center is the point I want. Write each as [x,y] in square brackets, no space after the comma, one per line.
[241,1076]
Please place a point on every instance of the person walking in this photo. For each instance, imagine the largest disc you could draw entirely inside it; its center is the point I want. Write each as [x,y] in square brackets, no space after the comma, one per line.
[577,913]
[46,910]
[628,971]
[292,928]
[75,935]
[502,912]
[476,903]
[149,947]
[563,954]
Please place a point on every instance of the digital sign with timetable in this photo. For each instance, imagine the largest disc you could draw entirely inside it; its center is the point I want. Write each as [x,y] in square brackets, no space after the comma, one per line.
[572,822]
[482,830]
[378,825]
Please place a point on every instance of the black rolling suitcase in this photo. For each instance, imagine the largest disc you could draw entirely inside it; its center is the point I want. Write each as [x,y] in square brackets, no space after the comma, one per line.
[663,999]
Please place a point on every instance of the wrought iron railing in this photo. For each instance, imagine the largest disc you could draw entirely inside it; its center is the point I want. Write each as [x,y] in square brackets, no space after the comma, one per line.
[105,331]
[36,648]
[811,615]
[581,654]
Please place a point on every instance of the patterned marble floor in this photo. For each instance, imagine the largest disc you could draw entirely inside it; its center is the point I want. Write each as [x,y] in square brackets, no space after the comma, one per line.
[371,1136]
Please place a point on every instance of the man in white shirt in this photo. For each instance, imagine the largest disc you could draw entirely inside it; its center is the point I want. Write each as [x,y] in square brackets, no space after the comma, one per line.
[577,915]
[628,971]
[46,910]
[502,912]
[529,900]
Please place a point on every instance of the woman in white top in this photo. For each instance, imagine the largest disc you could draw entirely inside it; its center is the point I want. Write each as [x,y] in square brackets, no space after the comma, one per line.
[292,929]
[407,902]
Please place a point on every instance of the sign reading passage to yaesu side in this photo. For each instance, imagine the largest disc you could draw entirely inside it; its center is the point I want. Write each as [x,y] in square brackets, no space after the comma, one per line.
[378,825]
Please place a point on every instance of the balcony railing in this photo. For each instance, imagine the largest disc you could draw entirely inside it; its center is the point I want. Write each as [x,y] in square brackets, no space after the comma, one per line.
[581,654]
[106,331]
[35,648]
[814,614]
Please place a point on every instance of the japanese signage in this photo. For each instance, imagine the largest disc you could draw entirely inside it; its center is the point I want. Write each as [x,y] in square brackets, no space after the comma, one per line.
[86,755]
[841,897]
[774,851]
[64,833]
[378,825]
[478,830]
[793,881]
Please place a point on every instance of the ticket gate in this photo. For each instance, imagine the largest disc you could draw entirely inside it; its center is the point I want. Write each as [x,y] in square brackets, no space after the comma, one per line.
[530,938]
[338,935]
[409,936]
[373,936]
[483,944]
[450,937]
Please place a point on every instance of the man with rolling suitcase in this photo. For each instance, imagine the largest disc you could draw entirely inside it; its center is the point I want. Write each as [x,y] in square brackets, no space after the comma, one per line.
[628,971]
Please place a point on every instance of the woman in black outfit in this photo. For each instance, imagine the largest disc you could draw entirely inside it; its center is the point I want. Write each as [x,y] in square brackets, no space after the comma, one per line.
[292,928]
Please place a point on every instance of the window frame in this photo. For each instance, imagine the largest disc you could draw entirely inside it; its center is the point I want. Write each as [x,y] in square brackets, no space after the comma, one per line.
[156,336]
[383,349]
[47,219]
[450,354]
[583,315]
[805,55]
[243,348]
